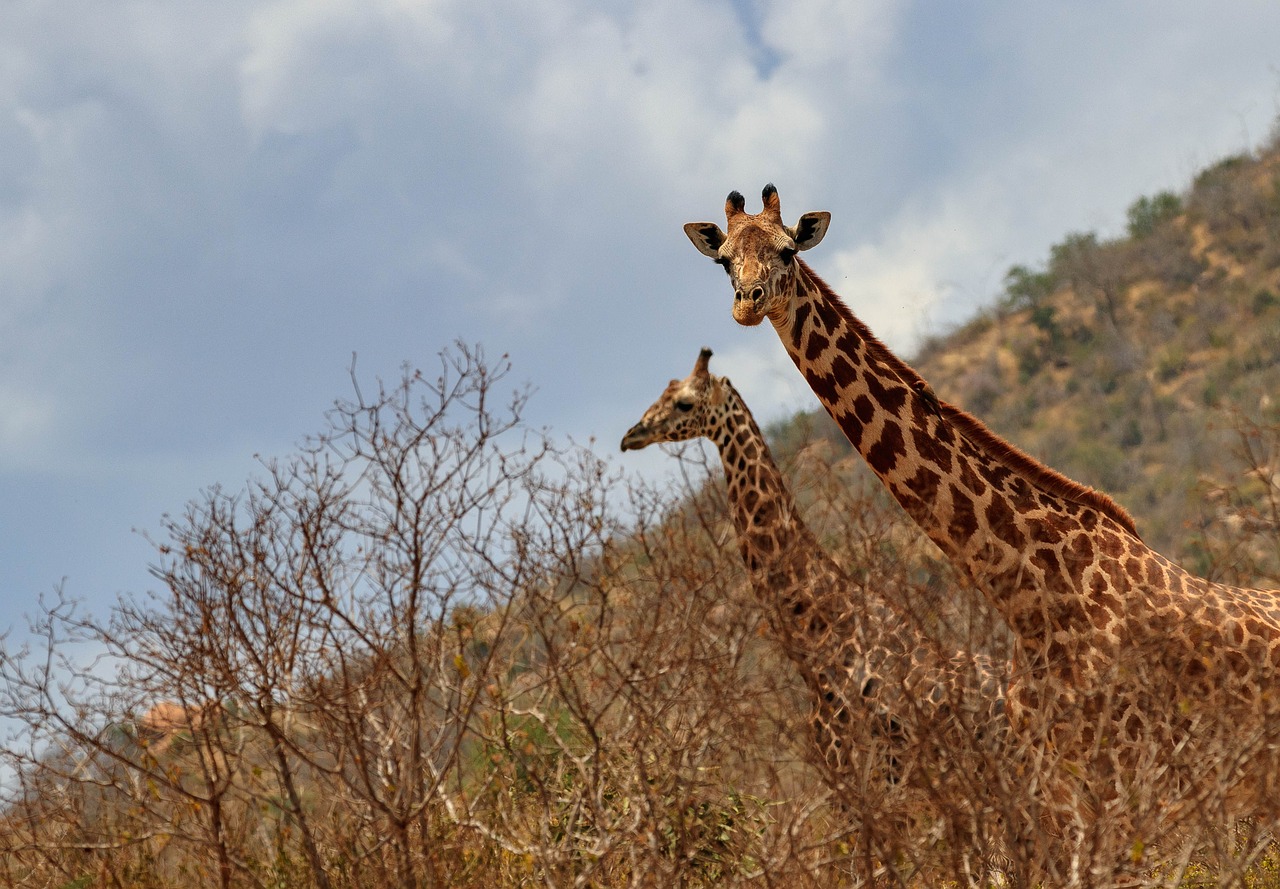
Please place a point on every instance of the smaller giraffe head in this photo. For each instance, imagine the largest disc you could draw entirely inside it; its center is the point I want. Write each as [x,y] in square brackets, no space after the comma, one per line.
[757,252]
[685,410]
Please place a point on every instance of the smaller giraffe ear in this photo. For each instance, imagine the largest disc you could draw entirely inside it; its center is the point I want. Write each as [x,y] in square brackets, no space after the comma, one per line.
[811,229]
[706,236]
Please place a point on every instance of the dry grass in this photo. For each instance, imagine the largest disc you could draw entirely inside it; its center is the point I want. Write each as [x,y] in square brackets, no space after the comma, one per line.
[435,649]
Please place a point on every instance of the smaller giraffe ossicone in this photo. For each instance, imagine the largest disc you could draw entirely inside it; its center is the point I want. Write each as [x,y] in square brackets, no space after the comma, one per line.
[860,657]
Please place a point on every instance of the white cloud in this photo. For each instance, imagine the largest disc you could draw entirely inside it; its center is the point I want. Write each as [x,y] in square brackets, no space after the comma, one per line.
[25,419]
[25,243]
[312,64]
[206,208]
[637,97]
[837,46]
[908,270]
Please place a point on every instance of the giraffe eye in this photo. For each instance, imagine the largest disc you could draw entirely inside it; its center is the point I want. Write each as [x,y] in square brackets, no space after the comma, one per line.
[787,254]
[724,264]
[684,406]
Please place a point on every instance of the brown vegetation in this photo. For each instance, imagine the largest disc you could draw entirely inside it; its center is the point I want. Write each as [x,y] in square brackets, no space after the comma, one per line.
[428,650]
[437,648]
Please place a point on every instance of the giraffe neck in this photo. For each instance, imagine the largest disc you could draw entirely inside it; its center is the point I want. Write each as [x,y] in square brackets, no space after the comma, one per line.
[986,505]
[789,570]
[764,512]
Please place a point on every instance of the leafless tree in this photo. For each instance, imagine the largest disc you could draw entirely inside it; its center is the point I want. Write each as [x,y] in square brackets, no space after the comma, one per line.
[435,647]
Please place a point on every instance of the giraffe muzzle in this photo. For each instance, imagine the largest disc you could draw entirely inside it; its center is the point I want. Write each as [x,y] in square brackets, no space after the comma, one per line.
[746,305]
[636,438]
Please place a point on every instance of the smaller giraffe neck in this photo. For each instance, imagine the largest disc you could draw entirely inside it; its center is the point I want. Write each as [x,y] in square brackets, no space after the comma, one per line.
[846,642]
[763,510]
[783,557]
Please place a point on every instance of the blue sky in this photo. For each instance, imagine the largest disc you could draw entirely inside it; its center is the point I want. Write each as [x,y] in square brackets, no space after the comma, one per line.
[206,209]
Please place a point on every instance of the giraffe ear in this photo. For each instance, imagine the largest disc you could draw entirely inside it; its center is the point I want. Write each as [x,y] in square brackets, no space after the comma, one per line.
[811,229]
[706,236]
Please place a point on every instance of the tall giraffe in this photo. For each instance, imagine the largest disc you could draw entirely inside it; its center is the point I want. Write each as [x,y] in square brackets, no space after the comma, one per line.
[1127,668]
[861,658]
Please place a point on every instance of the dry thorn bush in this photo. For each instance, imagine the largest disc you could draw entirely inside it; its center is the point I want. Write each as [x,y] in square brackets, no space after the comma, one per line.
[437,648]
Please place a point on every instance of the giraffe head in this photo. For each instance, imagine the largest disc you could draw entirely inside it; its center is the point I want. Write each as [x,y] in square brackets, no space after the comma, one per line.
[757,252]
[686,409]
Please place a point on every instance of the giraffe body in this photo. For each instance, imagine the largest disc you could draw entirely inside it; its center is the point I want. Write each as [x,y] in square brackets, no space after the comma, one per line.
[1124,660]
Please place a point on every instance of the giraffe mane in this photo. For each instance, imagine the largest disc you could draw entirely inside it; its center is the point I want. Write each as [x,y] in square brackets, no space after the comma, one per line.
[1002,451]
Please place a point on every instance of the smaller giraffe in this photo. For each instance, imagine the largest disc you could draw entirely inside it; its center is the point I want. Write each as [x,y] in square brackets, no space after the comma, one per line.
[860,657]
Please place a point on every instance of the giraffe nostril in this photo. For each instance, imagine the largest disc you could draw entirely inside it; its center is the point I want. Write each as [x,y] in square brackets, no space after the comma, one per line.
[757,293]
